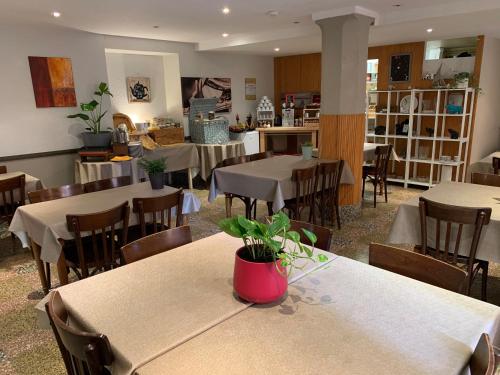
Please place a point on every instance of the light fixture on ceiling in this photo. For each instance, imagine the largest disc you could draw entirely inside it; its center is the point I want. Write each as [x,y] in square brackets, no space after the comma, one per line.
[226,10]
[277,49]
[396,5]
[225,35]
[155,27]
[296,22]
[429,30]
[56,14]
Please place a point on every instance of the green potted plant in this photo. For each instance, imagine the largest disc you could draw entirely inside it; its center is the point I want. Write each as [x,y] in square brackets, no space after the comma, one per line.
[461,80]
[92,115]
[156,171]
[269,254]
[307,148]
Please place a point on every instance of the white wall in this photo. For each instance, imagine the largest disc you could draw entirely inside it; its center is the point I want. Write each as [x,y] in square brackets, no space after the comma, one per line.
[119,67]
[486,137]
[26,129]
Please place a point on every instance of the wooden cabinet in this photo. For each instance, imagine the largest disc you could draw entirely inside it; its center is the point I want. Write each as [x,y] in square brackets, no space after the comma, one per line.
[310,72]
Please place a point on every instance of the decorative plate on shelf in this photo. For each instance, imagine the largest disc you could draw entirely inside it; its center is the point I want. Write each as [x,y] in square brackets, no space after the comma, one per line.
[404,105]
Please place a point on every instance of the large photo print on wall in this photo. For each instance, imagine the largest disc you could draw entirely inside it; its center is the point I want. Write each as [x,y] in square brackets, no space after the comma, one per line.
[198,87]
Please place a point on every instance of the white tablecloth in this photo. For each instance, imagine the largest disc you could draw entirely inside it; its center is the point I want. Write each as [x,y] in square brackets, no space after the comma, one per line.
[267,179]
[369,151]
[31,184]
[45,222]
[347,319]
[212,154]
[149,307]
[406,226]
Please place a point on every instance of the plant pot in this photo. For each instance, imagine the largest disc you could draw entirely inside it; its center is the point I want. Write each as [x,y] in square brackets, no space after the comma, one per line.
[157,180]
[462,84]
[97,140]
[307,152]
[258,282]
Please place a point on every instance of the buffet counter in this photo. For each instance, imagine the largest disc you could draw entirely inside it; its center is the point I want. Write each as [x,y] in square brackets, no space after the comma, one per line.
[266,133]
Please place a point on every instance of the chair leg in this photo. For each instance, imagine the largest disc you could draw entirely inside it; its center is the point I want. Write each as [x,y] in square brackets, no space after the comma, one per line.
[47,274]
[255,209]
[229,203]
[484,279]
[375,184]
[13,239]
[270,208]
[385,190]
[337,213]
[363,191]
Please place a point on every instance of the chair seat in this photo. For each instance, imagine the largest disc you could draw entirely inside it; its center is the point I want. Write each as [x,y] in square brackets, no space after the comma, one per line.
[71,254]
[134,231]
[368,170]
[461,260]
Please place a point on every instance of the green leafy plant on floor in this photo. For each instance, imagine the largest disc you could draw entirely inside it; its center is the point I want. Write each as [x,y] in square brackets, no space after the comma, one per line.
[92,113]
[270,241]
[153,166]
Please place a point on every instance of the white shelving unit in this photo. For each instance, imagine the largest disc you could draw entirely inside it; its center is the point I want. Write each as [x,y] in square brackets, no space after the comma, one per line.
[419,152]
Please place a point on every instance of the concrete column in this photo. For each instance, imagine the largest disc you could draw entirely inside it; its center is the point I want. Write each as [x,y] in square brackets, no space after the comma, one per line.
[343,92]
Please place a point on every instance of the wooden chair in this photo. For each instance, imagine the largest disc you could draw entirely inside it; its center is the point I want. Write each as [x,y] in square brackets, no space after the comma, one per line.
[151,213]
[121,118]
[486,179]
[495,164]
[377,174]
[3,169]
[83,353]
[55,193]
[417,266]
[108,183]
[327,199]
[101,249]
[484,360]
[455,216]
[305,193]
[156,243]
[250,204]
[323,234]
[10,202]
[260,156]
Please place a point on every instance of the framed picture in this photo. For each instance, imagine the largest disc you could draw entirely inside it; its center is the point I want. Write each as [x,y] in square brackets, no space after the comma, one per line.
[400,68]
[139,90]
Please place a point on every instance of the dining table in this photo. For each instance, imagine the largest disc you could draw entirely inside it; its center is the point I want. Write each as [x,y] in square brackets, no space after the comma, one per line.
[267,179]
[42,226]
[212,154]
[176,313]
[31,184]
[405,228]
[485,165]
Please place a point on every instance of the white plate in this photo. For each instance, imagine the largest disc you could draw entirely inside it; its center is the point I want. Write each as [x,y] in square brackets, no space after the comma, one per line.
[404,105]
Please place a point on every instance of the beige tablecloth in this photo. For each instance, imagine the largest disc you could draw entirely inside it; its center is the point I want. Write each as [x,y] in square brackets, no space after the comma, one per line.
[31,184]
[179,157]
[211,154]
[482,166]
[268,179]
[45,222]
[369,151]
[346,319]
[406,226]
[151,306]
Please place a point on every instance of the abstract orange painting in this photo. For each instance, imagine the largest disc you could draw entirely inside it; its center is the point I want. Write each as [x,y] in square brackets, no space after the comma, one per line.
[53,83]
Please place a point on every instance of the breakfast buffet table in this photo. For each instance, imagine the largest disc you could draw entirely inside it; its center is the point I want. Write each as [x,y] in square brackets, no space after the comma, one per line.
[349,317]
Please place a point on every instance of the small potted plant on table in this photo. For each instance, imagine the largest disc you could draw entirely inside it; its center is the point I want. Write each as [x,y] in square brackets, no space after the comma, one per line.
[263,264]
[307,149]
[156,171]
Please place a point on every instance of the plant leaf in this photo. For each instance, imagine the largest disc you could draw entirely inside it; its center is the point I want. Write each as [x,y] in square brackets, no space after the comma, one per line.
[310,236]
[322,257]
[83,116]
[293,236]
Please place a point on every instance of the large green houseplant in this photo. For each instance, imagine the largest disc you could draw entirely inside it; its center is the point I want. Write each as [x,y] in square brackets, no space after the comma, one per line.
[92,115]
[270,252]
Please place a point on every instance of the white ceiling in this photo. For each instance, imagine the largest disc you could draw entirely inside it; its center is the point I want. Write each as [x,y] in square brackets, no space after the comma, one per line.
[251,29]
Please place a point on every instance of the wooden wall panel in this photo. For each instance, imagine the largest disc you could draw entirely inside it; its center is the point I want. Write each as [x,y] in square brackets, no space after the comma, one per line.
[310,72]
[342,137]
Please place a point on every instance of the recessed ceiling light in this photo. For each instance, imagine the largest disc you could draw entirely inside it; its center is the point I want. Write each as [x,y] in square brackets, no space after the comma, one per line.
[272,13]
[296,22]
[226,10]
[396,5]
[429,30]
[225,35]
[56,14]
[156,27]
[277,49]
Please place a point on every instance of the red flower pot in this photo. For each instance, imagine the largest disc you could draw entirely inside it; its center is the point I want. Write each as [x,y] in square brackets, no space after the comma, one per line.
[258,282]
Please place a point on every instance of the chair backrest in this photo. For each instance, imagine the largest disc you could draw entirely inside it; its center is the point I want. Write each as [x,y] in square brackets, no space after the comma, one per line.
[156,208]
[260,156]
[156,243]
[83,352]
[9,199]
[55,193]
[451,216]
[103,227]
[482,361]
[486,179]
[329,175]
[108,183]
[233,161]
[3,169]
[305,189]
[323,234]
[417,266]
[383,154]
[121,118]
[495,164]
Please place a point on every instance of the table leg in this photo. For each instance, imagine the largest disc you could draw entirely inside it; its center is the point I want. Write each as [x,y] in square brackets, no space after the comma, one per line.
[39,265]
[190,179]
[185,219]
[62,269]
